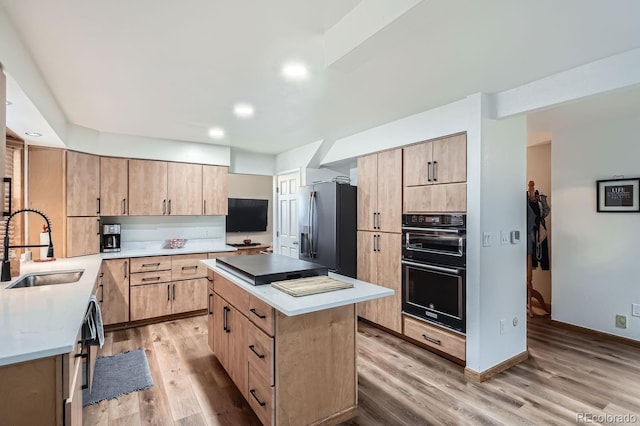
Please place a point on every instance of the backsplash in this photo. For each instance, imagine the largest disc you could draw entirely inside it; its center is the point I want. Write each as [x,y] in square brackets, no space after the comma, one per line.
[154,230]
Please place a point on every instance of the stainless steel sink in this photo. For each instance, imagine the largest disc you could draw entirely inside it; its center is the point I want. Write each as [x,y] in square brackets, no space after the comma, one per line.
[48,278]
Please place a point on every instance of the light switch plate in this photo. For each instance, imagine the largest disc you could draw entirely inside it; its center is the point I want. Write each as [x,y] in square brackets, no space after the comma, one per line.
[635,309]
[621,321]
[515,237]
[504,237]
[486,239]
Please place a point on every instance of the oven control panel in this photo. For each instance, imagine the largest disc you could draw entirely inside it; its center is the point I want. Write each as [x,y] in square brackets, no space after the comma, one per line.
[434,220]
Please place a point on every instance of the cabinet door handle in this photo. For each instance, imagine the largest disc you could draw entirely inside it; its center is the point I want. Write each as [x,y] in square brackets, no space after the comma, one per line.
[124,206]
[190,267]
[379,220]
[435,171]
[174,292]
[169,207]
[253,393]
[432,340]
[151,279]
[253,311]
[126,269]
[164,206]
[144,265]
[168,291]
[101,293]
[253,349]
[225,320]
[98,201]
[374,220]
[204,206]
[98,233]
[210,308]
[429,171]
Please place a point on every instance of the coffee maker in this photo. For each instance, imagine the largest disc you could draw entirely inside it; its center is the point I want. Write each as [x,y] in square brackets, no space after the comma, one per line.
[110,241]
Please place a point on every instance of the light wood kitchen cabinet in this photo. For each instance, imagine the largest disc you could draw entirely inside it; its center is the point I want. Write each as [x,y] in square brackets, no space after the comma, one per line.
[83,236]
[435,173]
[114,186]
[230,337]
[184,189]
[83,184]
[147,188]
[45,391]
[434,162]
[291,369]
[380,191]
[379,256]
[214,190]
[115,291]
[150,301]
[436,337]
[189,295]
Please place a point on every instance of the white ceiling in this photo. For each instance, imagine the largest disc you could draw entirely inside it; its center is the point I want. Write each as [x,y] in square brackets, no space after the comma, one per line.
[169,69]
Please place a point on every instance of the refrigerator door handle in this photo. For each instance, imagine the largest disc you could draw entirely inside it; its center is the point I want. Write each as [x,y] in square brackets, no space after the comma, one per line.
[312,231]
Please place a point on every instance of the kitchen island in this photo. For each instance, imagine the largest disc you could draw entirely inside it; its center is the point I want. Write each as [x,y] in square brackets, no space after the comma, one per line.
[293,358]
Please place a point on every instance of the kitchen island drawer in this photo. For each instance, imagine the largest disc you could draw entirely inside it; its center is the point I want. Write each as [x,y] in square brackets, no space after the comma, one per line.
[150,277]
[435,337]
[261,397]
[188,266]
[261,314]
[231,293]
[260,353]
[155,263]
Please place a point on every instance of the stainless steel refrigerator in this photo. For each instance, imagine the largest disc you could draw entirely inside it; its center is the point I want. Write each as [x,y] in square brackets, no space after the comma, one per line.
[327,224]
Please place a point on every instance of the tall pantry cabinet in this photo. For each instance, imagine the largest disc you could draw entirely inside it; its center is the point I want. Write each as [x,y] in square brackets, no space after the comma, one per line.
[83,203]
[379,234]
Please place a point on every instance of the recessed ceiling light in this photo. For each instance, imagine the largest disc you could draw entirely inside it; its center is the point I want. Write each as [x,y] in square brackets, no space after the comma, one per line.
[243,110]
[295,71]
[33,134]
[8,102]
[216,133]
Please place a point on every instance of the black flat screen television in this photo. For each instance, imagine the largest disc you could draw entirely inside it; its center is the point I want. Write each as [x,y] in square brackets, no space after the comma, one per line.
[247,215]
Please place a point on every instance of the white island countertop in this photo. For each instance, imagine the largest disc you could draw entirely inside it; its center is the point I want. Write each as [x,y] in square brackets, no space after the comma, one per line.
[37,322]
[290,305]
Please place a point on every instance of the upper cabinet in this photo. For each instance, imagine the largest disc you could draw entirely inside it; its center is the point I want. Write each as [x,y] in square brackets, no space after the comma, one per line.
[434,162]
[147,188]
[83,184]
[380,192]
[184,189]
[114,186]
[214,190]
[435,174]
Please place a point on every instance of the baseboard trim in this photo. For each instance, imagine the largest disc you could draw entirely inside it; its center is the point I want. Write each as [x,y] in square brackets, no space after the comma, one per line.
[505,365]
[595,333]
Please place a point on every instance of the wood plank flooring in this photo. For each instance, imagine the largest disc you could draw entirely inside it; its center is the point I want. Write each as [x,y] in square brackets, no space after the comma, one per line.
[568,373]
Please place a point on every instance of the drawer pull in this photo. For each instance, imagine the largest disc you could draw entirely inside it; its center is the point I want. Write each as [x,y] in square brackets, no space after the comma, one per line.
[144,265]
[151,279]
[253,393]
[432,340]
[253,311]
[252,347]
[190,267]
[225,320]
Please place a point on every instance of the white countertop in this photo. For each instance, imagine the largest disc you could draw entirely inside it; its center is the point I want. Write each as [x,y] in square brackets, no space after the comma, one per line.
[290,305]
[37,322]
[155,249]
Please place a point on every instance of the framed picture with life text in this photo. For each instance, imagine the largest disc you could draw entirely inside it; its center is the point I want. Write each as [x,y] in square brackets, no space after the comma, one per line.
[619,195]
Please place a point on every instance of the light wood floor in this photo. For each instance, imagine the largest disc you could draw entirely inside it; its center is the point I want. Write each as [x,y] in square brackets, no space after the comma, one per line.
[399,384]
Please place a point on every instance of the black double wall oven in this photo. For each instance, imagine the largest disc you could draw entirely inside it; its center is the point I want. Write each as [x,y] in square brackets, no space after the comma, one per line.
[434,268]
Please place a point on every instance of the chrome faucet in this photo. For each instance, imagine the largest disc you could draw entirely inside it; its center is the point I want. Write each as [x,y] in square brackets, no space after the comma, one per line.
[6,270]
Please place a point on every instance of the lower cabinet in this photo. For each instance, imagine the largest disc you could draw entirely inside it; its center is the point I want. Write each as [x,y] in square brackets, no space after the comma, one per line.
[157,300]
[114,291]
[435,337]
[45,391]
[292,370]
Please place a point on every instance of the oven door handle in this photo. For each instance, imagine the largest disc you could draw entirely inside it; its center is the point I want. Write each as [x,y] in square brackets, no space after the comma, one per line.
[432,267]
[447,230]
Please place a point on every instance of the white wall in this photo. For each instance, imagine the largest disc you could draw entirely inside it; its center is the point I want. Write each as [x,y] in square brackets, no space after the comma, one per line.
[595,255]
[539,171]
[252,163]
[496,278]
[296,158]
[117,145]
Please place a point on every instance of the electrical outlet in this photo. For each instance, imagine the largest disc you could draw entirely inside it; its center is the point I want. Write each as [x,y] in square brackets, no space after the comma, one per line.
[635,309]
[504,237]
[501,326]
[621,321]
[486,239]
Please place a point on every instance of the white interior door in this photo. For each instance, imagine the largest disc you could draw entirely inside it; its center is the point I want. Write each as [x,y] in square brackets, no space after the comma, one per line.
[288,214]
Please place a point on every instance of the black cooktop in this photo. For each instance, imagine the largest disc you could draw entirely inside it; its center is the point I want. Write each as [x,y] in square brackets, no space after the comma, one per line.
[263,269]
